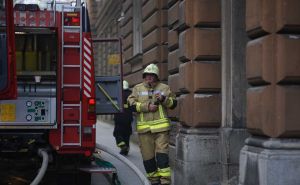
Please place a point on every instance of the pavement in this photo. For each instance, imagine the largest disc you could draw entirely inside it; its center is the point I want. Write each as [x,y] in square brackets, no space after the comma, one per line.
[104,136]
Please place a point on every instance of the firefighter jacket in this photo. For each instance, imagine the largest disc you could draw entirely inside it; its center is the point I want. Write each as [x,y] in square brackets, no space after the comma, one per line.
[142,95]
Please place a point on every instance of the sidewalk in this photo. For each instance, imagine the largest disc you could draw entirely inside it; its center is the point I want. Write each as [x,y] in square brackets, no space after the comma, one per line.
[104,135]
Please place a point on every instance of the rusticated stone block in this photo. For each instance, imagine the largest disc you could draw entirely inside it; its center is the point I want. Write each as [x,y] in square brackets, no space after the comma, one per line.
[186,45]
[273,111]
[135,65]
[128,54]
[156,55]
[200,77]
[268,16]
[145,1]
[173,62]
[288,61]
[289,15]
[173,82]
[172,40]
[127,41]
[127,4]
[151,6]
[172,2]
[207,44]
[273,59]
[173,15]
[127,28]
[200,13]
[126,68]
[128,16]
[158,19]
[163,71]
[134,78]
[174,113]
[158,36]
[201,110]
[200,44]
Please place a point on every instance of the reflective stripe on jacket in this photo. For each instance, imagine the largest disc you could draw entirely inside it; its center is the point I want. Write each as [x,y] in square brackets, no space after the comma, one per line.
[142,95]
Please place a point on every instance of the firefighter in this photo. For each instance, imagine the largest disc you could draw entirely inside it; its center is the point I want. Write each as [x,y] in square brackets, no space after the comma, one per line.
[123,129]
[150,99]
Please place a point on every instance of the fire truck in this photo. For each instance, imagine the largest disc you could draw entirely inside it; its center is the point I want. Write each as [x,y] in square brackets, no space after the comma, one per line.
[47,93]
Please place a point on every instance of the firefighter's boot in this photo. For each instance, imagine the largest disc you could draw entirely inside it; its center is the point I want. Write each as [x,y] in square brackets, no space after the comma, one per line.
[124,150]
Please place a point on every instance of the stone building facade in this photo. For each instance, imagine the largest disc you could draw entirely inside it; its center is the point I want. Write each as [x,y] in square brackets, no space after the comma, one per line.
[235,68]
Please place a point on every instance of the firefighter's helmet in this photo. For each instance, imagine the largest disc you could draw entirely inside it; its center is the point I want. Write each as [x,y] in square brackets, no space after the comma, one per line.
[125,85]
[151,69]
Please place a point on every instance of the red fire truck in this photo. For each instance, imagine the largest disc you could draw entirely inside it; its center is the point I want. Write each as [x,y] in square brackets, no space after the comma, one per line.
[47,92]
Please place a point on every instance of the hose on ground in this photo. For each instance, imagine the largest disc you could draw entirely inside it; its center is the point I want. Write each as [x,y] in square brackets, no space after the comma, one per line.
[43,153]
[140,175]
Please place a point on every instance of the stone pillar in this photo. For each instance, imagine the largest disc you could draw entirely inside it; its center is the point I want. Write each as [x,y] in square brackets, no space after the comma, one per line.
[198,30]
[271,155]
[234,84]
[197,157]
[270,161]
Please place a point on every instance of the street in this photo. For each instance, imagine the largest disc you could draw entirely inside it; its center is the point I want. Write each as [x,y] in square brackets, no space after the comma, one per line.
[126,175]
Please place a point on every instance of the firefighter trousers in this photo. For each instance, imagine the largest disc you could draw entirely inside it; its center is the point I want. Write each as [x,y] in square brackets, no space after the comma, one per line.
[155,152]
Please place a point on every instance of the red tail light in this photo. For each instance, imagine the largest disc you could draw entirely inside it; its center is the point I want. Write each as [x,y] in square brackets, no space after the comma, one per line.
[92,101]
[75,21]
[87,153]
[91,108]
[72,19]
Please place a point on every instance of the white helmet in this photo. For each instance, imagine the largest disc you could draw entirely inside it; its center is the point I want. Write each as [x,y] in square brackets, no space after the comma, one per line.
[125,85]
[151,69]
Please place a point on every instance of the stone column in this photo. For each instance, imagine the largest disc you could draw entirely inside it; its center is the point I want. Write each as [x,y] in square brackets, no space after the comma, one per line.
[271,155]
[199,82]
[234,84]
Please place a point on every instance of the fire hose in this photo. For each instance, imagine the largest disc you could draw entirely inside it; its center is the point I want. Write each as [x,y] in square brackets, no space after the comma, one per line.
[140,175]
[43,153]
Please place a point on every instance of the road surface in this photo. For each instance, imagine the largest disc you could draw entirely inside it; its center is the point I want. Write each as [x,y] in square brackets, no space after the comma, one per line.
[104,135]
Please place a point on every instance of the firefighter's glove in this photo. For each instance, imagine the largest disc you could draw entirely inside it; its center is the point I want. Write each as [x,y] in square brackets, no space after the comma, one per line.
[152,107]
[160,97]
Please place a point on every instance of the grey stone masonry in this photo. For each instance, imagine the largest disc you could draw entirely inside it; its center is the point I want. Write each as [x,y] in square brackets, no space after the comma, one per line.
[197,157]
[270,161]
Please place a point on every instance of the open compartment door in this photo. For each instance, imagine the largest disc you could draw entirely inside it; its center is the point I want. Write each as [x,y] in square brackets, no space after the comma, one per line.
[108,95]
[109,81]
[8,78]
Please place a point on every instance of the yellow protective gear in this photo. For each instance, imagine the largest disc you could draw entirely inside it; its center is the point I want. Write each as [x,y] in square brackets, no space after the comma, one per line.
[155,149]
[142,95]
[151,69]
[153,127]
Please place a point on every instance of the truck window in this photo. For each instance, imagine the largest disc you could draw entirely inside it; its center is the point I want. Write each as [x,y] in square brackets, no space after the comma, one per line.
[36,53]
[3,47]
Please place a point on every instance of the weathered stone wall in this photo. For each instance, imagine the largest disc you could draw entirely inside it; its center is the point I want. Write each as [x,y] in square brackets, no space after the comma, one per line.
[224,84]
[273,67]
[273,99]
